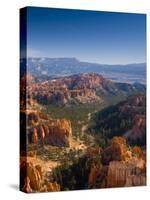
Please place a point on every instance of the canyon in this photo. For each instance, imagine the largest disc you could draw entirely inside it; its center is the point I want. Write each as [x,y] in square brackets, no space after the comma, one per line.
[81,131]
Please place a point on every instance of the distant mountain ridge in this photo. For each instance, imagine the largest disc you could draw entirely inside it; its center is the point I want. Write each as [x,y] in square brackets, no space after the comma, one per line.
[68,66]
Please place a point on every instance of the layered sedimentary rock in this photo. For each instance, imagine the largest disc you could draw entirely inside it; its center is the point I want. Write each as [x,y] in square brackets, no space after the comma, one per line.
[35,176]
[40,129]
[126,167]
[126,173]
[53,132]
[122,166]
[81,88]
[135,180]
[32,179]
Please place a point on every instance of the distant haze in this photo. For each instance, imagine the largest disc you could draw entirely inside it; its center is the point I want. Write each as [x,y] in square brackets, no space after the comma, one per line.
[58,67]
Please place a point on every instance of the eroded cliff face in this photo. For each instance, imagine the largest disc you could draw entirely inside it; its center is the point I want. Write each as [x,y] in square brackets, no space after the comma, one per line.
[76,89]
[43,130]
[53,132]
[80,88]
[33,179]
[122,166]
[116,151]
[125,173]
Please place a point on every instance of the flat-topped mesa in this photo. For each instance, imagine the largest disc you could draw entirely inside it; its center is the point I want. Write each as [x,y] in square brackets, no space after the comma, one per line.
[54,132]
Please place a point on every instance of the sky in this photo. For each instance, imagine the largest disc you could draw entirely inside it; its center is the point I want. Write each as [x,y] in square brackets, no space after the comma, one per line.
[92,36]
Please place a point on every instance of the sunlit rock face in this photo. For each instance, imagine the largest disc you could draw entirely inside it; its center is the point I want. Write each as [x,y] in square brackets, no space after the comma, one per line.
[79,88]
[122,166]
[53,132]
[116,151]
[33,179]
[126,173]
[41,129]
[128,168]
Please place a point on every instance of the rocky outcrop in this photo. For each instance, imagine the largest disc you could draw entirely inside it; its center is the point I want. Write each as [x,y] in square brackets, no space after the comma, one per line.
[126,173]
[116,151]
[78,88]
[53,132]
[40,129]
[81,88]
[27,187]
[35,176]
[135,180]
[126,166]
[53,187]
[122,166]
[32,179]
[97,176]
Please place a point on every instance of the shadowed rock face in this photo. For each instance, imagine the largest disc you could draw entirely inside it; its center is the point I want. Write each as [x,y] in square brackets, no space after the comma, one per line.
[138,131]
[127,118]
[136,105]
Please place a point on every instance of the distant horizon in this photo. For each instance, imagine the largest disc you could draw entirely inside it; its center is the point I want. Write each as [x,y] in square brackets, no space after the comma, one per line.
[92,62]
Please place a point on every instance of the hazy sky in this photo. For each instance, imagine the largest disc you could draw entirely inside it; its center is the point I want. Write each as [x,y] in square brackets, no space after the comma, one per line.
[102,37]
